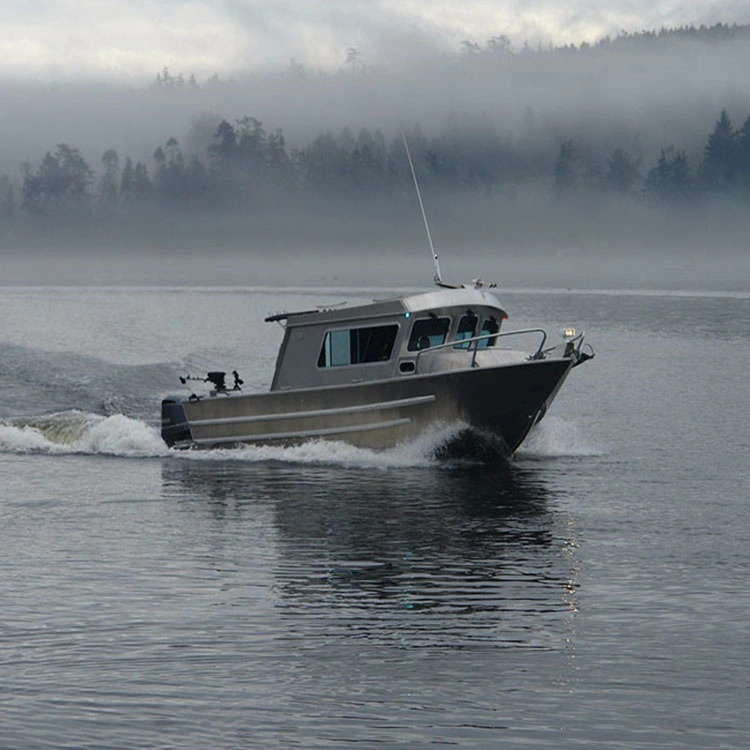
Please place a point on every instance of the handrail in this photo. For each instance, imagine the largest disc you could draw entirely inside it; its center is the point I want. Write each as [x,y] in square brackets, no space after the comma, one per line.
[476,339]
[577,338]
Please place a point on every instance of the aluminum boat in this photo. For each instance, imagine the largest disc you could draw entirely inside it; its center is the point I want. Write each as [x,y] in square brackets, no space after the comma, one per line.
[379,374]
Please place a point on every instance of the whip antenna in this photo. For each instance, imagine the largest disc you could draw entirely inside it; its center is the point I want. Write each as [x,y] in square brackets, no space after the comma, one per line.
[438,277]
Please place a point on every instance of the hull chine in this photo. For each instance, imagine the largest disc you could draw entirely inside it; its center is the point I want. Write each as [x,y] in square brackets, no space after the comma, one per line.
[301,435]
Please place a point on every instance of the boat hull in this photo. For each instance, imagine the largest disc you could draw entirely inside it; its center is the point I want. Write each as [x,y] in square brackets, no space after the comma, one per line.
[503,401]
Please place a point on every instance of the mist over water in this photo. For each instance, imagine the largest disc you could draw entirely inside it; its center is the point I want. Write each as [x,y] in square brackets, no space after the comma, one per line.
[488,130]
[572,267]
[631,96]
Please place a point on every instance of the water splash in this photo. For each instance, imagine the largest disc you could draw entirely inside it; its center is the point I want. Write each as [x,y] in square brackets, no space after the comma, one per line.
[81,432]
[422,451]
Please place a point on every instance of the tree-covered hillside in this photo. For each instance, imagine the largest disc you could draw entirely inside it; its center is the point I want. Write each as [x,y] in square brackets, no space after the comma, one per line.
[578,143]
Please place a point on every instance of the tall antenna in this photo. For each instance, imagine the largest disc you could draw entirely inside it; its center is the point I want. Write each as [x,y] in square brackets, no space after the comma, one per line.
[435,260]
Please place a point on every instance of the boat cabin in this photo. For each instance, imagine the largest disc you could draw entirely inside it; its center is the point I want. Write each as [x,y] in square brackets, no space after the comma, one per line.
[401,337]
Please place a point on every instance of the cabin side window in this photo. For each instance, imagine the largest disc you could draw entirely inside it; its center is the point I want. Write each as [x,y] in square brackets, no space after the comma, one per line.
[428,332]
[467,327]
[354,346]
[490,325]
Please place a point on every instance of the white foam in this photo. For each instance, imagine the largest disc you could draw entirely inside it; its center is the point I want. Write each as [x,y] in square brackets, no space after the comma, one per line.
[414,453]
[80,432]
[117,435]
[555,437]
[24,440]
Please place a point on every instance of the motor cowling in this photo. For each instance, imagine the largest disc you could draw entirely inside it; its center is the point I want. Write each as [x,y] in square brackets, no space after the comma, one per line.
[174,424]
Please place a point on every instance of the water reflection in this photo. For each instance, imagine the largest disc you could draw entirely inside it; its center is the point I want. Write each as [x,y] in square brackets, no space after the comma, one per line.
[411,557]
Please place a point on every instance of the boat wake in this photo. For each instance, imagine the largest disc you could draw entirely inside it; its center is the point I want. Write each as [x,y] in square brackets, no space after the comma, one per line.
[79,432]
[424,450]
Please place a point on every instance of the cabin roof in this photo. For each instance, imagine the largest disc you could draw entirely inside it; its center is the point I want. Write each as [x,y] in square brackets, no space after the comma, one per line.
[450,298]
[415,303]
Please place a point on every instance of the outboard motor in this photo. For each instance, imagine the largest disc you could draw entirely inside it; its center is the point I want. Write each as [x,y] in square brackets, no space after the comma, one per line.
[174,425]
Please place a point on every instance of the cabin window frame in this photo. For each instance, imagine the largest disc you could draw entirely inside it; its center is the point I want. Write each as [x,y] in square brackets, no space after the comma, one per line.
[414,338]
[489,342]
[459,342]
[323,356]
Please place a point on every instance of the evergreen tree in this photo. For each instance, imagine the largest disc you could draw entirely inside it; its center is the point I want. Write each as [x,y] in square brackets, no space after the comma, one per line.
[671,179]
[126,182]
[719,169]
[167,82]
[108,188]
[135,185]
[567,170]
[195,186]
[141,185]
[170,182]
[251,148]
[622,173]
[742,154]
[470,49]
[324,163]
[60,184]
[223,150]
[499,45]
[279,164]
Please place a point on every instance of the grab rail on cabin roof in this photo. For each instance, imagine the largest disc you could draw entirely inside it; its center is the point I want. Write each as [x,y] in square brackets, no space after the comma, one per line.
[458,344]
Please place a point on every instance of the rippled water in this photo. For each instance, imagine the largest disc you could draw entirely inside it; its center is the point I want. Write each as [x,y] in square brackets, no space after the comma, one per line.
[593,592]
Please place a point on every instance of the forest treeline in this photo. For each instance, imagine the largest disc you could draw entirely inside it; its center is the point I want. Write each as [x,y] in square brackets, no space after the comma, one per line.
[500,48]
[239,167]
[247,169]
[624,40]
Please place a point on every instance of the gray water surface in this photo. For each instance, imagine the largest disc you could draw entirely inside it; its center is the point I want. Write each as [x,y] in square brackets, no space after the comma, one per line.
[591,593]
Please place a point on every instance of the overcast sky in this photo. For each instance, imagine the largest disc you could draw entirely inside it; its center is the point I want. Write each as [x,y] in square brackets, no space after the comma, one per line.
[134,38]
